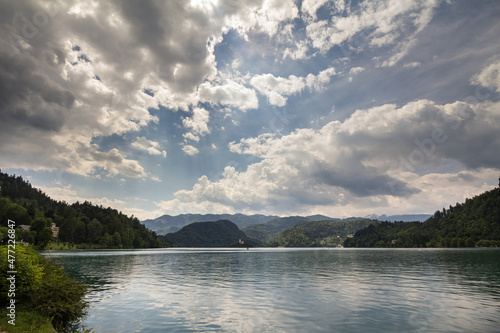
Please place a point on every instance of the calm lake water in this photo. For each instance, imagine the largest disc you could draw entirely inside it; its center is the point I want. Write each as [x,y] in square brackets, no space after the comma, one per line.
[289,290]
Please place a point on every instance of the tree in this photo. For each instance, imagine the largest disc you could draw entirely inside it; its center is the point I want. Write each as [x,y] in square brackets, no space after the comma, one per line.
[105,240]
[94,231]
[117,240]
[80,234]
[38,225]
[31,210]
[66,230]
[18,214]
[4,206]
[43,237]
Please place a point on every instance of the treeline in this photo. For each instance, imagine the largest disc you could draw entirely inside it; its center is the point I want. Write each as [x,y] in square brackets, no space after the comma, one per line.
[473,223]
[319,233]
[84,224]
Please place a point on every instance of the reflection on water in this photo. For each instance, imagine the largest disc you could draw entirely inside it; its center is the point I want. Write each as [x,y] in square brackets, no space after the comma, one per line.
[289,290]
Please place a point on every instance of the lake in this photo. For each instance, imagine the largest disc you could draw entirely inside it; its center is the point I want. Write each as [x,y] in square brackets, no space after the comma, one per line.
[289,290]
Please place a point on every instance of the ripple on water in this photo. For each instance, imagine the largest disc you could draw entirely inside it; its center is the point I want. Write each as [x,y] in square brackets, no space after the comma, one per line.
[290,290]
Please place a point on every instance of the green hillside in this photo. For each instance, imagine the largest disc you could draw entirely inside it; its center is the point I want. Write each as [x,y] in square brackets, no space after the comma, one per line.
[83,224]
[266,232]
[473,223]
[222,233]
[319,233]
[263,233]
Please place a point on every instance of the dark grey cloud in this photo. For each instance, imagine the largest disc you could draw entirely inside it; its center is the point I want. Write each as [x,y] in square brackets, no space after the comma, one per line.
[362,181]
[28,97]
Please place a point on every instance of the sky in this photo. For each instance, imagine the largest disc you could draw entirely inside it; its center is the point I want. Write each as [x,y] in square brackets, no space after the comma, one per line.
[341,108]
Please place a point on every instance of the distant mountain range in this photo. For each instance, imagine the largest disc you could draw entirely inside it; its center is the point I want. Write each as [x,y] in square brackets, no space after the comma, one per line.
[168,224]
[257,226]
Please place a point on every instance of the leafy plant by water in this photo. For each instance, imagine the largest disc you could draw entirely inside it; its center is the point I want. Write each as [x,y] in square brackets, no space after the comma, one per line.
[43,288]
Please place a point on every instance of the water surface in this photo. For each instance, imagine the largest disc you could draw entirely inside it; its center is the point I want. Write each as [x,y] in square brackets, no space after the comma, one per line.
[289,290]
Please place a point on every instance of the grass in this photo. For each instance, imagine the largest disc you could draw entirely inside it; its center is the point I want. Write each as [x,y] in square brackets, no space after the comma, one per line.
[60,246]
[26,322]
[30,322]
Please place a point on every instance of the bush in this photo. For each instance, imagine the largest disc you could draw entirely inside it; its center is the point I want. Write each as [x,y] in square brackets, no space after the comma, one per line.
[469,242]
[483,243]
[461,242]
[59,297]
[43,287]
[29,272]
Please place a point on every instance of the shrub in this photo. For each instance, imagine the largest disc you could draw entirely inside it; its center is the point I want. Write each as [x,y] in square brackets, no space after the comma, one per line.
[29,272]
[469,242]
[59,297]
[43,287]
[483,243]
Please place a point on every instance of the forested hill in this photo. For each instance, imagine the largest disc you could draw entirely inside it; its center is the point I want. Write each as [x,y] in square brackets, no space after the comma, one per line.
[265,233]
[319,233]
[221,233]
[78,223]
[473,223]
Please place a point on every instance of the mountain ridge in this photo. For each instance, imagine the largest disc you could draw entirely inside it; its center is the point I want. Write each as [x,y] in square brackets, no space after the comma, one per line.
[172,223]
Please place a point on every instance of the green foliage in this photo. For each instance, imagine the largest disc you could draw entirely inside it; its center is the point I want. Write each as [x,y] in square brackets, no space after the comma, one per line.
[59,297]
[319,233]
[388,234]
[67,229]
[29,272]
[473,223]
[42,287]
[17,213]
[27,321]
[488,243]
[222,233]
[80,232]
[94,231]
[43,238]
[264,234]
[38,225]
[80,223]
[5,204]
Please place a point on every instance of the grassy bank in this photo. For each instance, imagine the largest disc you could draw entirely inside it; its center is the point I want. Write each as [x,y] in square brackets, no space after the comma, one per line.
[27,321]
[60,246]
[45,297]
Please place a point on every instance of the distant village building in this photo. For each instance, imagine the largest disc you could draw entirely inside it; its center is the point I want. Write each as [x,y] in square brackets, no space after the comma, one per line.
[55,230]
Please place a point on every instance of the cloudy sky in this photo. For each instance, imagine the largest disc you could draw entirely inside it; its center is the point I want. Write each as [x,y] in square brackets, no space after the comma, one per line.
[342,108]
